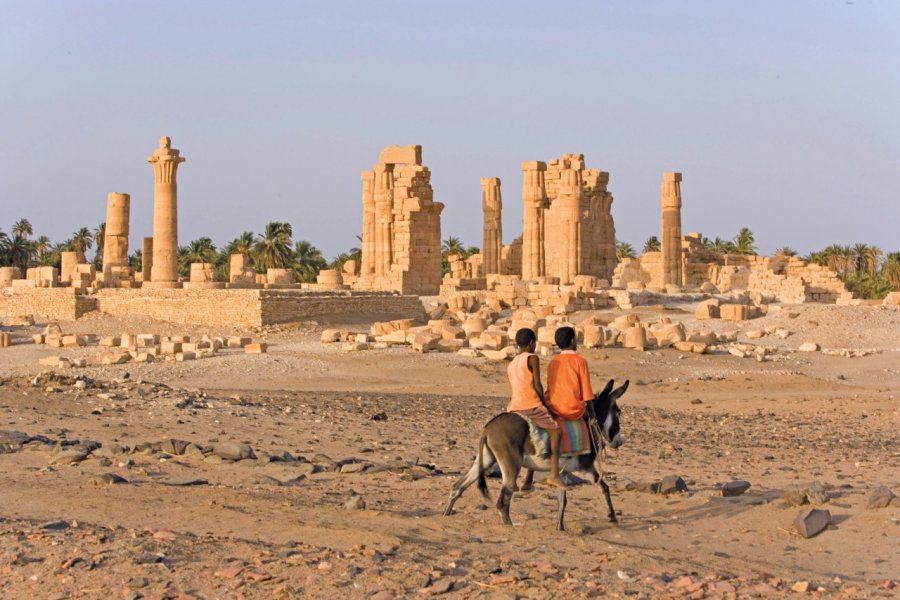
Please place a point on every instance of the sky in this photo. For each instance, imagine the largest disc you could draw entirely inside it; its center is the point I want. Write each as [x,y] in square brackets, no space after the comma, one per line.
[783,117]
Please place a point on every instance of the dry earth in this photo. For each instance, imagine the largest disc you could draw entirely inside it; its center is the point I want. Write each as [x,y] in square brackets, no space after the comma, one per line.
[393,429]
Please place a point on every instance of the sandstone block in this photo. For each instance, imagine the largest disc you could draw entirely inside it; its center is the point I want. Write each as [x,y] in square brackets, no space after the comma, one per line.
[329,336]
[354,346]
[143,357]
[451,332]
[113,358]
[808,347]
[73,341]
[666,335]
[494,340]
[469,352]
[424,342]
[703,337]
[593,336]
[635,337]
[53,340]
[624,322]
[734,312]
[450,345]
[5,340]
[128,340]
[812,521]
[258,348]
[708,309]
[495,354]
[183,356]
[51,361]
[892,299]
[474,325]
[170,347]
[38,338]
[695,347]
[110,341]
[755,334]
[238,342]
[144,340]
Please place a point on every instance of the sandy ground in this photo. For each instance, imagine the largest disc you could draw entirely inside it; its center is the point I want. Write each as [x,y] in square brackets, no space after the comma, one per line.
[392,429]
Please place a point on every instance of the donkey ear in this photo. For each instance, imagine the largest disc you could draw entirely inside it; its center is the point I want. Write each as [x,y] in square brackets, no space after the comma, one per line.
[608,388]
[620,390]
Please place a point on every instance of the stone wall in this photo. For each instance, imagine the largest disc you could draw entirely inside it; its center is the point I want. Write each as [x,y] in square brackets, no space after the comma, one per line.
[214,307]
[49,303]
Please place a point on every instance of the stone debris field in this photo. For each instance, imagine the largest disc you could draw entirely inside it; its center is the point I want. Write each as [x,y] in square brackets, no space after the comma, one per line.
[760,460]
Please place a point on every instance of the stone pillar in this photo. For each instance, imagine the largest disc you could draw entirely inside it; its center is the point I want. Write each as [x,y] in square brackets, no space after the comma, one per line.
[534,196]
[165,163]
[68,263]
[146,258]
[384,220]
[115,242]
[368,232]
[569,202]
[492,205]
[670,199]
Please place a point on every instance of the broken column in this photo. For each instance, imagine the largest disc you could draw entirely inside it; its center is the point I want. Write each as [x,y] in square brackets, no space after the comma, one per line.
[115,241]
[165,163]
[146,258]
[569,234]
[492,205]
[670,199]
[67,262]
[534,196]
[367,266]
[384,206]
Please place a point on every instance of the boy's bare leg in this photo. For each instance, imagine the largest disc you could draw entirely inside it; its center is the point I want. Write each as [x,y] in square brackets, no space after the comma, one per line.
[554,478]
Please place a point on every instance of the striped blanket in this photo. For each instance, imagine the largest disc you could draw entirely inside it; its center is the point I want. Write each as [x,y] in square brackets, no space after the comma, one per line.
[575,438]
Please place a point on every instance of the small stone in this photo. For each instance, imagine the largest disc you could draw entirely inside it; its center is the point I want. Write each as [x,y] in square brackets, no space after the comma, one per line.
[380,416]
[55,525]
[108,479]
[671,484]
[138,582]
[382,595]
[881,497]
[735,488]
[356,502]
[801,587]
[808,347]
[232,451]
[186,482]
[812,521]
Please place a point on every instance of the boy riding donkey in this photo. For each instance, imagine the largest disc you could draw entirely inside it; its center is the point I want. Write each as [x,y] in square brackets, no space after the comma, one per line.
[568,391]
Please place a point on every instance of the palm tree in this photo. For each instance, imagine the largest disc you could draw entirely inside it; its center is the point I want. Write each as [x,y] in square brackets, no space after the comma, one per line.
[743,242]
[652,244]
[472,251]
[243,244]
[100,238]
[201,250]
[272,249]
[307,261]
[43,251]
[719,245]
[19,251]
[452,245]
[4,245]
[785,251]
[136,261]
[890,269]
[23,228]
[865,258]
[82,240]
[624,250]
[338,262]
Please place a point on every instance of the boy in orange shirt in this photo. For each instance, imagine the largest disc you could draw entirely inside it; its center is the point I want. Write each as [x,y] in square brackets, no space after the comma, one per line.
[568,379]
[528,396]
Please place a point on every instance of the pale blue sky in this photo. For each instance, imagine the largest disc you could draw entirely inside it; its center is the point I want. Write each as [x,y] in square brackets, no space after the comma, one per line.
[783,116]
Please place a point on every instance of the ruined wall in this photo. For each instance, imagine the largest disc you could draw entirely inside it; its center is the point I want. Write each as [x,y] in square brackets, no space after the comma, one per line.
[49,303]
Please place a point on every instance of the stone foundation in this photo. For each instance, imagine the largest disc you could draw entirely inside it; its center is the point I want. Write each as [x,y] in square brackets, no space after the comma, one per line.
[213,307]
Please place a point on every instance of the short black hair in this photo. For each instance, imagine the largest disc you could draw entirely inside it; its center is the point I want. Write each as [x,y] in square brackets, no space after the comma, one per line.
[564,337]
[524,337]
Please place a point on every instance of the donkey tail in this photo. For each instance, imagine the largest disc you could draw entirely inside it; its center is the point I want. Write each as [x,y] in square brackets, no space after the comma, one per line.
[482,480]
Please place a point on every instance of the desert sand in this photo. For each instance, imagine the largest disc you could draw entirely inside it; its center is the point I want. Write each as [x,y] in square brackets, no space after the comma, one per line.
[354,455]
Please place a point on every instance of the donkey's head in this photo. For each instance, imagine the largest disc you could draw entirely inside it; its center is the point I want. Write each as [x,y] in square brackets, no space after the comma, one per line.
[608,413]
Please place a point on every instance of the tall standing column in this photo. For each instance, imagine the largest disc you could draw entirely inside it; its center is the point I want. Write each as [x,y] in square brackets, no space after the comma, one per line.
[569,202]
[146,258]
[492,206]
[165,163]
[534,195]
[368,232]
[670,199]
[115,241]
[384,207]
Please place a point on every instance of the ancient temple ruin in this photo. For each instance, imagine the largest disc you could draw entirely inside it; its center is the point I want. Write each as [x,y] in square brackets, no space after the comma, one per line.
[401,237]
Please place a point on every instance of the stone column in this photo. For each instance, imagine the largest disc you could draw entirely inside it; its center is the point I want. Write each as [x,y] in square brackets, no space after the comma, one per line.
[534,196]
[492,206]
[569,201]
[670,199]
[165,163]
[384,218]
[367,267]
[115,242]
[146,259]
[68,262]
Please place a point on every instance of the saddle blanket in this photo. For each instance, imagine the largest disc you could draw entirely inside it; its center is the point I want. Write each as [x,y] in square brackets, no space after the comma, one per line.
[575,439]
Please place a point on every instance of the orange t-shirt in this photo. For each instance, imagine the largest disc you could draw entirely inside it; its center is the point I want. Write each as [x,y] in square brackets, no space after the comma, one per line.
[524,396]
[568,385]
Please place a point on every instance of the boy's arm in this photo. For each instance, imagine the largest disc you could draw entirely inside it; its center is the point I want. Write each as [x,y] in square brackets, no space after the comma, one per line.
[534,365]
[587,393]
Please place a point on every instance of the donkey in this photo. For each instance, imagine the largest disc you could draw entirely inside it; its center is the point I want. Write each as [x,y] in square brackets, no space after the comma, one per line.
[506,441]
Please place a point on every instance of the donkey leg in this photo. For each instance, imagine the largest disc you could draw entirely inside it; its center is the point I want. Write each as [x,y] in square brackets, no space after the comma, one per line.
[467,480]
[528,484]
[509,468]
[560,526]
[612,511]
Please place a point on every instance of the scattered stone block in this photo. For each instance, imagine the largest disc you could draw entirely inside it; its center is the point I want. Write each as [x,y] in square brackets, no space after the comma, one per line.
[635,337]
[110,341]
[469,353]
[142,357]
[667,334]
[494,340]
[495,354]
[170,347]
[38,338]
[145,340]
[734,312]
[735,488]
[755,334]
[708,309]
[73,341]
[454,345]
[812,521]
[354,346]
[5,340]
[183,356]
[695,347]
[53,340]
[424,342]
[113,358]
[330,336]
[258,348]
[128,340]
[808,347]
[238,342]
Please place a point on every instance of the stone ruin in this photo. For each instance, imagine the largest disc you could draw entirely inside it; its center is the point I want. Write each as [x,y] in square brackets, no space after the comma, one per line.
[401,236]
